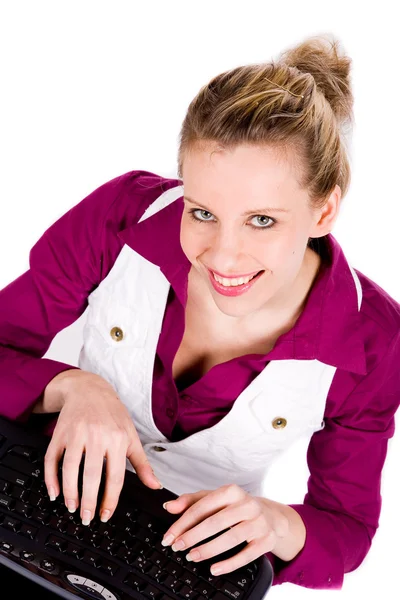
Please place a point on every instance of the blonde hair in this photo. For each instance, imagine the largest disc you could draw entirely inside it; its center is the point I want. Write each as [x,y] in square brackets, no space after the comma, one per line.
[307,123]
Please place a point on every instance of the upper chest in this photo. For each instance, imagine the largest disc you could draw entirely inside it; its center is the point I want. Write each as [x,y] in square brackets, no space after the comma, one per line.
[207,343]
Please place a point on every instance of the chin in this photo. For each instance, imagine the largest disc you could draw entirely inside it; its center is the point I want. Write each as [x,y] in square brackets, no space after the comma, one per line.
[229,310]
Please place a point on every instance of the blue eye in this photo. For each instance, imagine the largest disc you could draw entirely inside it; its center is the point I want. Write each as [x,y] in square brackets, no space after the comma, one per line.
[197,220]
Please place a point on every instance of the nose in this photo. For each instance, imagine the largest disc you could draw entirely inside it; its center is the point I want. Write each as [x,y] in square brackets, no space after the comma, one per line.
[225,248]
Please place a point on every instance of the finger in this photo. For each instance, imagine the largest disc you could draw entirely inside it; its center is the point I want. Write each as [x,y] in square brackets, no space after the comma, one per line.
[206,528]
[92,473]
[137,457]
[184,501]
[209,503]
[114,480]
[251,552]
[242,532]
[70,472]
[52,458]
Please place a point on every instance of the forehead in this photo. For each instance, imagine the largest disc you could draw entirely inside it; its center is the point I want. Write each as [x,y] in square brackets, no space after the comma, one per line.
[246,175]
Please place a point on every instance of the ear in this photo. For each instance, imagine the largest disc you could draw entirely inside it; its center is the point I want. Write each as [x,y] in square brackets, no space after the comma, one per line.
[326,216]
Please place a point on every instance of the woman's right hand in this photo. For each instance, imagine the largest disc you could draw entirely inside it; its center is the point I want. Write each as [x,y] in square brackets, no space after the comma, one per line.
[93,421]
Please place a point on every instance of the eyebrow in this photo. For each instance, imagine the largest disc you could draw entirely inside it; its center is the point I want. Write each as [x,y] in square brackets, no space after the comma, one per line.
[257,211]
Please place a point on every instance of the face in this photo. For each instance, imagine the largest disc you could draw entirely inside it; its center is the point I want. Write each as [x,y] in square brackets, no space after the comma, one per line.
[217,235]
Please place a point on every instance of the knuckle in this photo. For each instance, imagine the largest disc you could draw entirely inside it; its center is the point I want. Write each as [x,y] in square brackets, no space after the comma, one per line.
[69,462]
[70,491]
[252,506]
[233,489]
[235,535]
[119,436]
[93,428]
[115,480]
[88,501]
[91,474]
[49,457]
[282,526]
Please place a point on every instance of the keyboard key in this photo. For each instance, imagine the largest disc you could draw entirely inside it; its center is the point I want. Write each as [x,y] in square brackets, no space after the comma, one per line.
[152,592]
[155,572]
[28,531]
[158,558]
[6,546]
[231,590]
[57,543]
[240,579]
[23,509]
[108,567]
[23,466]
[91,558]
[109,546]
[7,502]
[146,536]
[135,582]
[189,578]
[172,583]
[41,516]
[4,485]
[205,589]
[187,592]
[47,565]
[26,555]
[74,550]
[12,524]
[141,563]
[26,452]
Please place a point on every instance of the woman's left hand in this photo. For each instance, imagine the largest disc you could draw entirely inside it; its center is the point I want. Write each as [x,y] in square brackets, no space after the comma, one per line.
[251,519]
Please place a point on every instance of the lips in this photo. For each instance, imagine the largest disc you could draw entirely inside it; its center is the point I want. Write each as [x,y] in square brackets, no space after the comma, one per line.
[236,290]
[234,276]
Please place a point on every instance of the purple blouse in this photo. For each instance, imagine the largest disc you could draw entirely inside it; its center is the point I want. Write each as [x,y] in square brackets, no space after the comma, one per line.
[342,506]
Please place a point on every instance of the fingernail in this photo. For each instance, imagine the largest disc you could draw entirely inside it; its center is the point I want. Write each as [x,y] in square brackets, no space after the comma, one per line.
[52,493]
[105,515]
[165,504]
[71,505]
[167,540]
[86,517]
[178,545]
[215,570]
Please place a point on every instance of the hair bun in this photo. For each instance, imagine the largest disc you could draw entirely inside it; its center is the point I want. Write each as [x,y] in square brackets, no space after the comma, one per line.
[321,56]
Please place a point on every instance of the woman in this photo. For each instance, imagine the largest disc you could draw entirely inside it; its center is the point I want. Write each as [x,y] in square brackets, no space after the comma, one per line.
[224,323]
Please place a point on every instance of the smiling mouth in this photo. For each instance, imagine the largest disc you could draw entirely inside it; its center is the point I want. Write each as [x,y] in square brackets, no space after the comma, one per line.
[248,279]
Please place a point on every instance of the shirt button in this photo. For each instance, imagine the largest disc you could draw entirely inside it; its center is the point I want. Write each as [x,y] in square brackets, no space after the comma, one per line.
[170,412]
[279,423]
[159,448]
[117,334]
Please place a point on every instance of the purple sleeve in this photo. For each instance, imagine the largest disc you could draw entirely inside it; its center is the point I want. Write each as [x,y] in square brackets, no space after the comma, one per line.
[66,264]
[342,506]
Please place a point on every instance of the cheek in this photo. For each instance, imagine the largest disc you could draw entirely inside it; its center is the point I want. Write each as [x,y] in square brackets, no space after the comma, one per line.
[192,242]
[281,257]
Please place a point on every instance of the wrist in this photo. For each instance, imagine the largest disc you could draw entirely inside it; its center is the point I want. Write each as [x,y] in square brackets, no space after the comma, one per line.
[290,545]
[52,398]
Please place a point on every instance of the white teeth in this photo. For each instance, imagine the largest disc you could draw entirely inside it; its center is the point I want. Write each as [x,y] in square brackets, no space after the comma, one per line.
[233,282]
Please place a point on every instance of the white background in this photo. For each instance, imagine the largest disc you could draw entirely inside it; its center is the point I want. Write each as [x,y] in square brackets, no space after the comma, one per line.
[90,90]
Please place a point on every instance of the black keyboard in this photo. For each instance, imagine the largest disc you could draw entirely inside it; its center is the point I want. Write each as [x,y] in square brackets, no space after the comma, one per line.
[40,540]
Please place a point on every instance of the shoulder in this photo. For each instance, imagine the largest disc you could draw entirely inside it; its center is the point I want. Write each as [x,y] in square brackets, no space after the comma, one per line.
[379,321]
[378,306]
[130,193]
[378,329]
